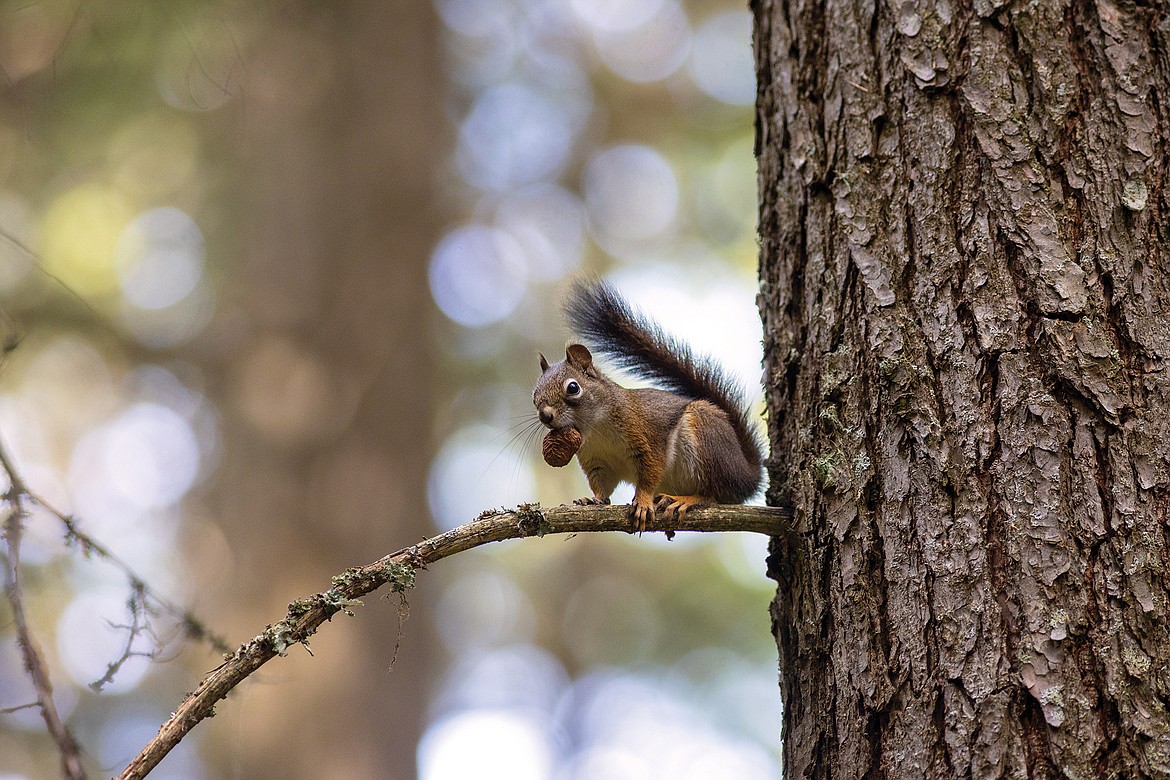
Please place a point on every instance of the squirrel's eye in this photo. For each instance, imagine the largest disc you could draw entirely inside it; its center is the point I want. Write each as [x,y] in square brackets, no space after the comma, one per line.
[572,388]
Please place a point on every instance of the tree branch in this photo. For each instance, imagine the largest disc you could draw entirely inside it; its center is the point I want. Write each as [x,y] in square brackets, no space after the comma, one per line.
[397,570]
[193,627]
[19,498]
[34,662]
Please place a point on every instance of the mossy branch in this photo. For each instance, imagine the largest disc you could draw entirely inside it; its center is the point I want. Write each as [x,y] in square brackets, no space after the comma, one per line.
[398,571]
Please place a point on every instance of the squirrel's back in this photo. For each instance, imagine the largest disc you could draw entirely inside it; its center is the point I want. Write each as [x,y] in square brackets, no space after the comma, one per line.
[609,325]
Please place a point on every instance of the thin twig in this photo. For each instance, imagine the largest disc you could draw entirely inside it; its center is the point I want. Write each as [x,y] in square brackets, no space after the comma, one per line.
[35,262]
[193,627]
[306,615]
[34,662]
[139,624]
[10,710]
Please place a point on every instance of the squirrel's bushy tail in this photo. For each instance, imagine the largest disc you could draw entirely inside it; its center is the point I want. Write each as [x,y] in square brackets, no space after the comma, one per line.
[609,325]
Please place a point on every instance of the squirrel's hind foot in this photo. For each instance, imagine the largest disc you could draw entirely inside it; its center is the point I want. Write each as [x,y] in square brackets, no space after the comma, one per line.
[675,507]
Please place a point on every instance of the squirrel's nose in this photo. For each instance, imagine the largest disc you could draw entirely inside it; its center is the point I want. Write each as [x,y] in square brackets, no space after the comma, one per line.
[546,415]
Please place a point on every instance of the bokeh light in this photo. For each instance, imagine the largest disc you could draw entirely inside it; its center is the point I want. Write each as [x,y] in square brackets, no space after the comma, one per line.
[49,395]
[487,745]
[15,685]
[724,206]
[658,722]
[739,553]
[721,59]
[160,258]
[79,238]
[172,325]
[547,222]
[490,48]
[519,678]
[608,762]
[650,51]
[513,135]
[615,15]
[477,19]
[288,393]
[128,474]
[123,736]
[150,456]
[478,275]
[31,38]
[473,470]
[632,195]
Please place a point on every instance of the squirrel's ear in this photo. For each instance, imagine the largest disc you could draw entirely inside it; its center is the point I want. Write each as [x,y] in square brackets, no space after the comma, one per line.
[579,356]
[543,362]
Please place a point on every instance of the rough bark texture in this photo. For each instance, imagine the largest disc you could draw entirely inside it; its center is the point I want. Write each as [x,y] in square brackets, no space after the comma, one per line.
[965,293]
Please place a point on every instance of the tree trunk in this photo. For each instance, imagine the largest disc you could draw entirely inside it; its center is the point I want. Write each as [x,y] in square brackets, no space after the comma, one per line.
[326,400]
[964,274]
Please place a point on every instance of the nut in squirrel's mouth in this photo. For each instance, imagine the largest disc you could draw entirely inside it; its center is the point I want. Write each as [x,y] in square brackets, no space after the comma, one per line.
[560,445]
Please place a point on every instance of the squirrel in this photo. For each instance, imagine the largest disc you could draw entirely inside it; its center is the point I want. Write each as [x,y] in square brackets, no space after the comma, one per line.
[685,445]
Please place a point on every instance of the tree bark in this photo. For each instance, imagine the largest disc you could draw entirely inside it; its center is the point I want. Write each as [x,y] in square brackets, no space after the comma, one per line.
[964,285]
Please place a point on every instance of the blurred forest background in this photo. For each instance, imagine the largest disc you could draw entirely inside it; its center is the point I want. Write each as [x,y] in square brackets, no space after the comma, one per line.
[278,272]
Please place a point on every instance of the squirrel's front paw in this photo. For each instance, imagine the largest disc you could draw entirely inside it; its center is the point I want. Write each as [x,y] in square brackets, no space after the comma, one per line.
[591,501]
[640,514]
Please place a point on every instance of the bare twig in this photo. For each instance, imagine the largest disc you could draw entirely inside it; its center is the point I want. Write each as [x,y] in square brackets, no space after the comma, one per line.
[397,570]
[30,652]
[139,624]
[19,497]
[27,706]
[35,262]
[193,627]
